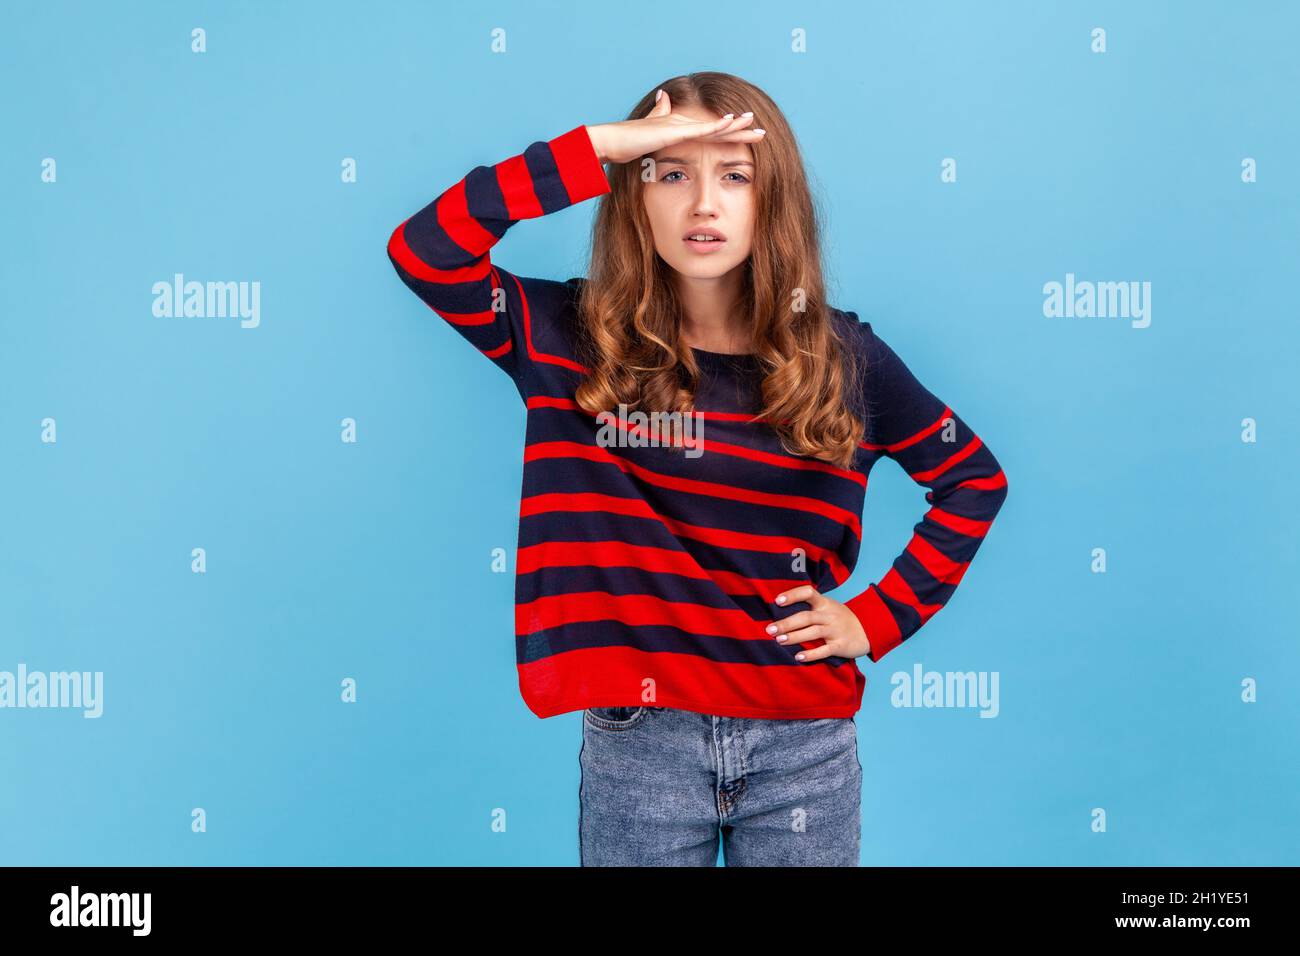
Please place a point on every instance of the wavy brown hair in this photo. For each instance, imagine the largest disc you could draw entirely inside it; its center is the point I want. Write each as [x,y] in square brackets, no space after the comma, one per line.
[631,317]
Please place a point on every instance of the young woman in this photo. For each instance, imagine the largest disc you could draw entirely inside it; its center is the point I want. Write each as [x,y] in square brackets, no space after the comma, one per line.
[670,581]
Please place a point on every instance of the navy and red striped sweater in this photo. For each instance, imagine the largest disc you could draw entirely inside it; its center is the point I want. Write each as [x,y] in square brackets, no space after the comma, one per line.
[647,576]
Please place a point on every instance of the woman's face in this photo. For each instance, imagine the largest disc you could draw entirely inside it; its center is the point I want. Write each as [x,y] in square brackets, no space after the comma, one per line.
[702,187]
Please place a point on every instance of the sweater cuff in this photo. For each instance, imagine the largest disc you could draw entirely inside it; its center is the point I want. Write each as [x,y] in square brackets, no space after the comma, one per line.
[578,165]
[882,630]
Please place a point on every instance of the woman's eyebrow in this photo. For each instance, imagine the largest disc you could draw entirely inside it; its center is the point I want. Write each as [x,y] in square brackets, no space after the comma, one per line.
[686,162]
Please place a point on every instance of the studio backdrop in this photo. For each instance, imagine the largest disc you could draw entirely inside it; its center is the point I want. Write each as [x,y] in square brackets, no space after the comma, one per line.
[257,563]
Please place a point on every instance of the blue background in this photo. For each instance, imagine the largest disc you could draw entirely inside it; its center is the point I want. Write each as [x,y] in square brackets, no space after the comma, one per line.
[372,560]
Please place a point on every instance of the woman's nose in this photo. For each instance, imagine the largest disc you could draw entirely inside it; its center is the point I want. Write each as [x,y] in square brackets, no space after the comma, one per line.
[704,198]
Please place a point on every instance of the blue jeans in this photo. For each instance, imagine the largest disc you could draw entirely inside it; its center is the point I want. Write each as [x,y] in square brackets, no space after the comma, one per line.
[659,786]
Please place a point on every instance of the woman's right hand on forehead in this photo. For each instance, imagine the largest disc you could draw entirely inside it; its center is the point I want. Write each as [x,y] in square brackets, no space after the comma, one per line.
[627,140]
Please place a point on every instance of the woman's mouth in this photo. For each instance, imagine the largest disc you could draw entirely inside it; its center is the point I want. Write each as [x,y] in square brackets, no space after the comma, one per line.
[704,240]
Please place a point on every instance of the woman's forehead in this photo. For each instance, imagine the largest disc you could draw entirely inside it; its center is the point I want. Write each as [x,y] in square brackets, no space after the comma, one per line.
[722,155]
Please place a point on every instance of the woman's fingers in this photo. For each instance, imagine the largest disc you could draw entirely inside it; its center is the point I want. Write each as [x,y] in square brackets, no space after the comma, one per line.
[793,622]
[722,126]
[660,127]
[727,130]
[700,129]
[804,592]
[810,633]
[739,123]
[737,136]
[814,654]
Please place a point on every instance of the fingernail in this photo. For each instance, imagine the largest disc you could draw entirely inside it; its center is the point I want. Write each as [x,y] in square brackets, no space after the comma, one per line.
[780,599]
[658,95]
[780,638]
[771,629]
[729,116]
[760,131]
[798,657]
[747,114]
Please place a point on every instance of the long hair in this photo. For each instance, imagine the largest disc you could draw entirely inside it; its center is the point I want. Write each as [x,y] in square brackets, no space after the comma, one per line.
[630,315]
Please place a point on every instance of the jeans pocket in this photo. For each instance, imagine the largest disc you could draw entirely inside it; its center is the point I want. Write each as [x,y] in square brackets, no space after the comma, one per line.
[614,718]
[856,753]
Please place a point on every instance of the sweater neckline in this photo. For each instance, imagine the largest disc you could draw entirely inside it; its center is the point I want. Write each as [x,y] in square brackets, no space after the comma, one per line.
[707,359]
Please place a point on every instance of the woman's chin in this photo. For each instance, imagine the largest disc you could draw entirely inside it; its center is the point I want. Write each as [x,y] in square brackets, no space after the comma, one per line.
[701,267]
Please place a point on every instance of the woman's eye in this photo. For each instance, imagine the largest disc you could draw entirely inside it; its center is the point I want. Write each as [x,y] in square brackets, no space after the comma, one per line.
[675,172]
[742,179]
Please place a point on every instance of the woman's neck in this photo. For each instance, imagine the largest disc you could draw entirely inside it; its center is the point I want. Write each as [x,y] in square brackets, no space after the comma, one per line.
[709,316]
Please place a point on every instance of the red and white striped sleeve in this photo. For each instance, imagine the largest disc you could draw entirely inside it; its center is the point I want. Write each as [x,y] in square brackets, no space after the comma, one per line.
[442,251]
[967,487]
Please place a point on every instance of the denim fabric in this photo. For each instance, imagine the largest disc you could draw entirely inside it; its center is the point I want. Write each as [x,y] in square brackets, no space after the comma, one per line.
[661,786]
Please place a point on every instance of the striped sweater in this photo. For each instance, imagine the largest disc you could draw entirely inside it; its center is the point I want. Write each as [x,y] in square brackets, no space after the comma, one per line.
[645,575]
